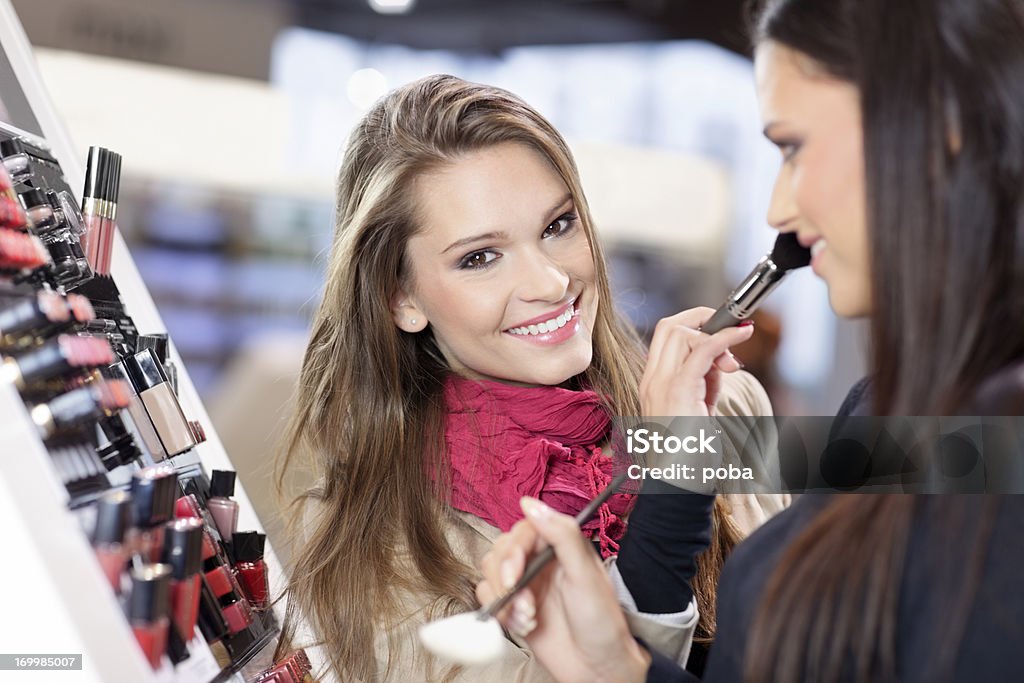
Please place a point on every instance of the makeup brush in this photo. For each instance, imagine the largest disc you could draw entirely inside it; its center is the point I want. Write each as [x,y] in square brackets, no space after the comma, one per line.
[476,637]
[786,255]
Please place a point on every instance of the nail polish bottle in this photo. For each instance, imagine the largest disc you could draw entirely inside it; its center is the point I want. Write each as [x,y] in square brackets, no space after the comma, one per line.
[220,504]
[148,608]
[113,518]
[250,569]
[183,543]
[235,608]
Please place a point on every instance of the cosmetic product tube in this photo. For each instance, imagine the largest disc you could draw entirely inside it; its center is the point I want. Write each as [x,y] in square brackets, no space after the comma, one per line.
[40,212]
[183,544]
[148,609]
[99,206]
[160,402]
[113,518]
[80,405]
[57,356]
[220,504]
[153,492]
[32,314]
[21,251]
[250,569]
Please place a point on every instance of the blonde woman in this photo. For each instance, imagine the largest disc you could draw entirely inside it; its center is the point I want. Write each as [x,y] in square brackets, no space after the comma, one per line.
[466,353]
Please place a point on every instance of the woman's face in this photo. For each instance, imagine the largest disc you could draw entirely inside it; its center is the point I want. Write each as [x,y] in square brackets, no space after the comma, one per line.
[814,120]
[501,269]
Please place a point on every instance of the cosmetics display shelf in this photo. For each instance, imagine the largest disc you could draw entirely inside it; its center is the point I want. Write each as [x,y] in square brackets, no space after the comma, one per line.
[64,469]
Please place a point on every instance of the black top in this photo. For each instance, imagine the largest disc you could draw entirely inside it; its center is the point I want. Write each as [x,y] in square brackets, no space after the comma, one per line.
[992,647]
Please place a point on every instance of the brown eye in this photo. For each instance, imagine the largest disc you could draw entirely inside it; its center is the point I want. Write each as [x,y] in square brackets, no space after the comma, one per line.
[562,225]
[477,259]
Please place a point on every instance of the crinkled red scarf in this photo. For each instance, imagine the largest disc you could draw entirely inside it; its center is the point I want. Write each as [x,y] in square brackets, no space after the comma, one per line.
[505,442]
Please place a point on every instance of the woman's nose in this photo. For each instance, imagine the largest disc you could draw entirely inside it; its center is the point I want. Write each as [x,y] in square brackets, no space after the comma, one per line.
[782,209]
[544,279]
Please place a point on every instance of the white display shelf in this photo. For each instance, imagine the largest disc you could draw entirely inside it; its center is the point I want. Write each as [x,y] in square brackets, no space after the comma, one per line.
[55,597]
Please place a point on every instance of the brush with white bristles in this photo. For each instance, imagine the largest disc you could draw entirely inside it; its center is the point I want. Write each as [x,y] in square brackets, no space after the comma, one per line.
[476,637]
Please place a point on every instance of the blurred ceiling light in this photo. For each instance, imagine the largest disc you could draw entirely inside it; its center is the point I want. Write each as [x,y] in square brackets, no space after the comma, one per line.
[392,6]
[365,87]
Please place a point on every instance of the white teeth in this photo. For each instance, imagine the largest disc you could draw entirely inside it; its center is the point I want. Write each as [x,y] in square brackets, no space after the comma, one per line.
[546,326]
[818,247]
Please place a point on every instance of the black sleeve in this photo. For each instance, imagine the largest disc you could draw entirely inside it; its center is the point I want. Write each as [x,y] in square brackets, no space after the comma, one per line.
[667,529]
[664,670]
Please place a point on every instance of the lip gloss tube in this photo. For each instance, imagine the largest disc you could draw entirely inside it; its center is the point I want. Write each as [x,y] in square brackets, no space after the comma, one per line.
[153,492]
[183,543]
[113,517]
[160,402]
[148,608]
[99,206]
[250,569]
[220,504]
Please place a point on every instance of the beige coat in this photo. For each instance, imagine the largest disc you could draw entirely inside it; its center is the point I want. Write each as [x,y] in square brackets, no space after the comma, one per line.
[470,538]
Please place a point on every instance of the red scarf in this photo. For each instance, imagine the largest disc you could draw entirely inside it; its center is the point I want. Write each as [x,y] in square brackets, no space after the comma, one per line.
[505,442]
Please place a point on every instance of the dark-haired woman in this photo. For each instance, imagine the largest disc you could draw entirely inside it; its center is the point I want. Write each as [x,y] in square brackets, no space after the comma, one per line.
[902,131]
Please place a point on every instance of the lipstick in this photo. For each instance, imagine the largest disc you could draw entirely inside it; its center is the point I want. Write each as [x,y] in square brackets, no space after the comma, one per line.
[33,313]
[113,518]
[183,543]
[21,251]
[57,356]
[161,404]
[80,405]
[250,569]
[148,608]
[153,492]
[99,206]
[220,504]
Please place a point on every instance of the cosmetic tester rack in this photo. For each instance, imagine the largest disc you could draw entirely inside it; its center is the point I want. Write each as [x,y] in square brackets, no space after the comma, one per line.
[126,538]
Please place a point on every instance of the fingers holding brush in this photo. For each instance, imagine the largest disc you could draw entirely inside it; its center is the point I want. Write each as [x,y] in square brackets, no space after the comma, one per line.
[569,614]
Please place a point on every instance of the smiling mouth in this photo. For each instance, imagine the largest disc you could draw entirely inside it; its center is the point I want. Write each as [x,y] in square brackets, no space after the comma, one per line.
[557,322]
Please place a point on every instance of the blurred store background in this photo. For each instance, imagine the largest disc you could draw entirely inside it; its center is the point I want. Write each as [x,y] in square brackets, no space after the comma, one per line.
[231,116]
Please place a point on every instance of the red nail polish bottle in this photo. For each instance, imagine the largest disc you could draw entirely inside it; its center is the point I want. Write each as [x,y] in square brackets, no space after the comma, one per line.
[250,569]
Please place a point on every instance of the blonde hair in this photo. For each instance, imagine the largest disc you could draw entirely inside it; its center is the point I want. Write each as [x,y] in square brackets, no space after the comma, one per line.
[369,416]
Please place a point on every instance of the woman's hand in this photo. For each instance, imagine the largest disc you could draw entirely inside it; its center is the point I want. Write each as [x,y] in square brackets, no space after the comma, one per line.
[568,615]
[684,365]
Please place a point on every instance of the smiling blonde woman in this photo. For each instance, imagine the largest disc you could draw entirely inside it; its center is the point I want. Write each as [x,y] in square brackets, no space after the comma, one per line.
[466,353]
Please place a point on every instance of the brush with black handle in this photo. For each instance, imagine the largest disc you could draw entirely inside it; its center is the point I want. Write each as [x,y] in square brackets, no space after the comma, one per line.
[786,255]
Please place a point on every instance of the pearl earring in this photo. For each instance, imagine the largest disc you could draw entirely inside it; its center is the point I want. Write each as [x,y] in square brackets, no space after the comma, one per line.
[412,321]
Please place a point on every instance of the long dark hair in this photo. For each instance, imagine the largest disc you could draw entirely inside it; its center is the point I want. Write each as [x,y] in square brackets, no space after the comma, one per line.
[941,84]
